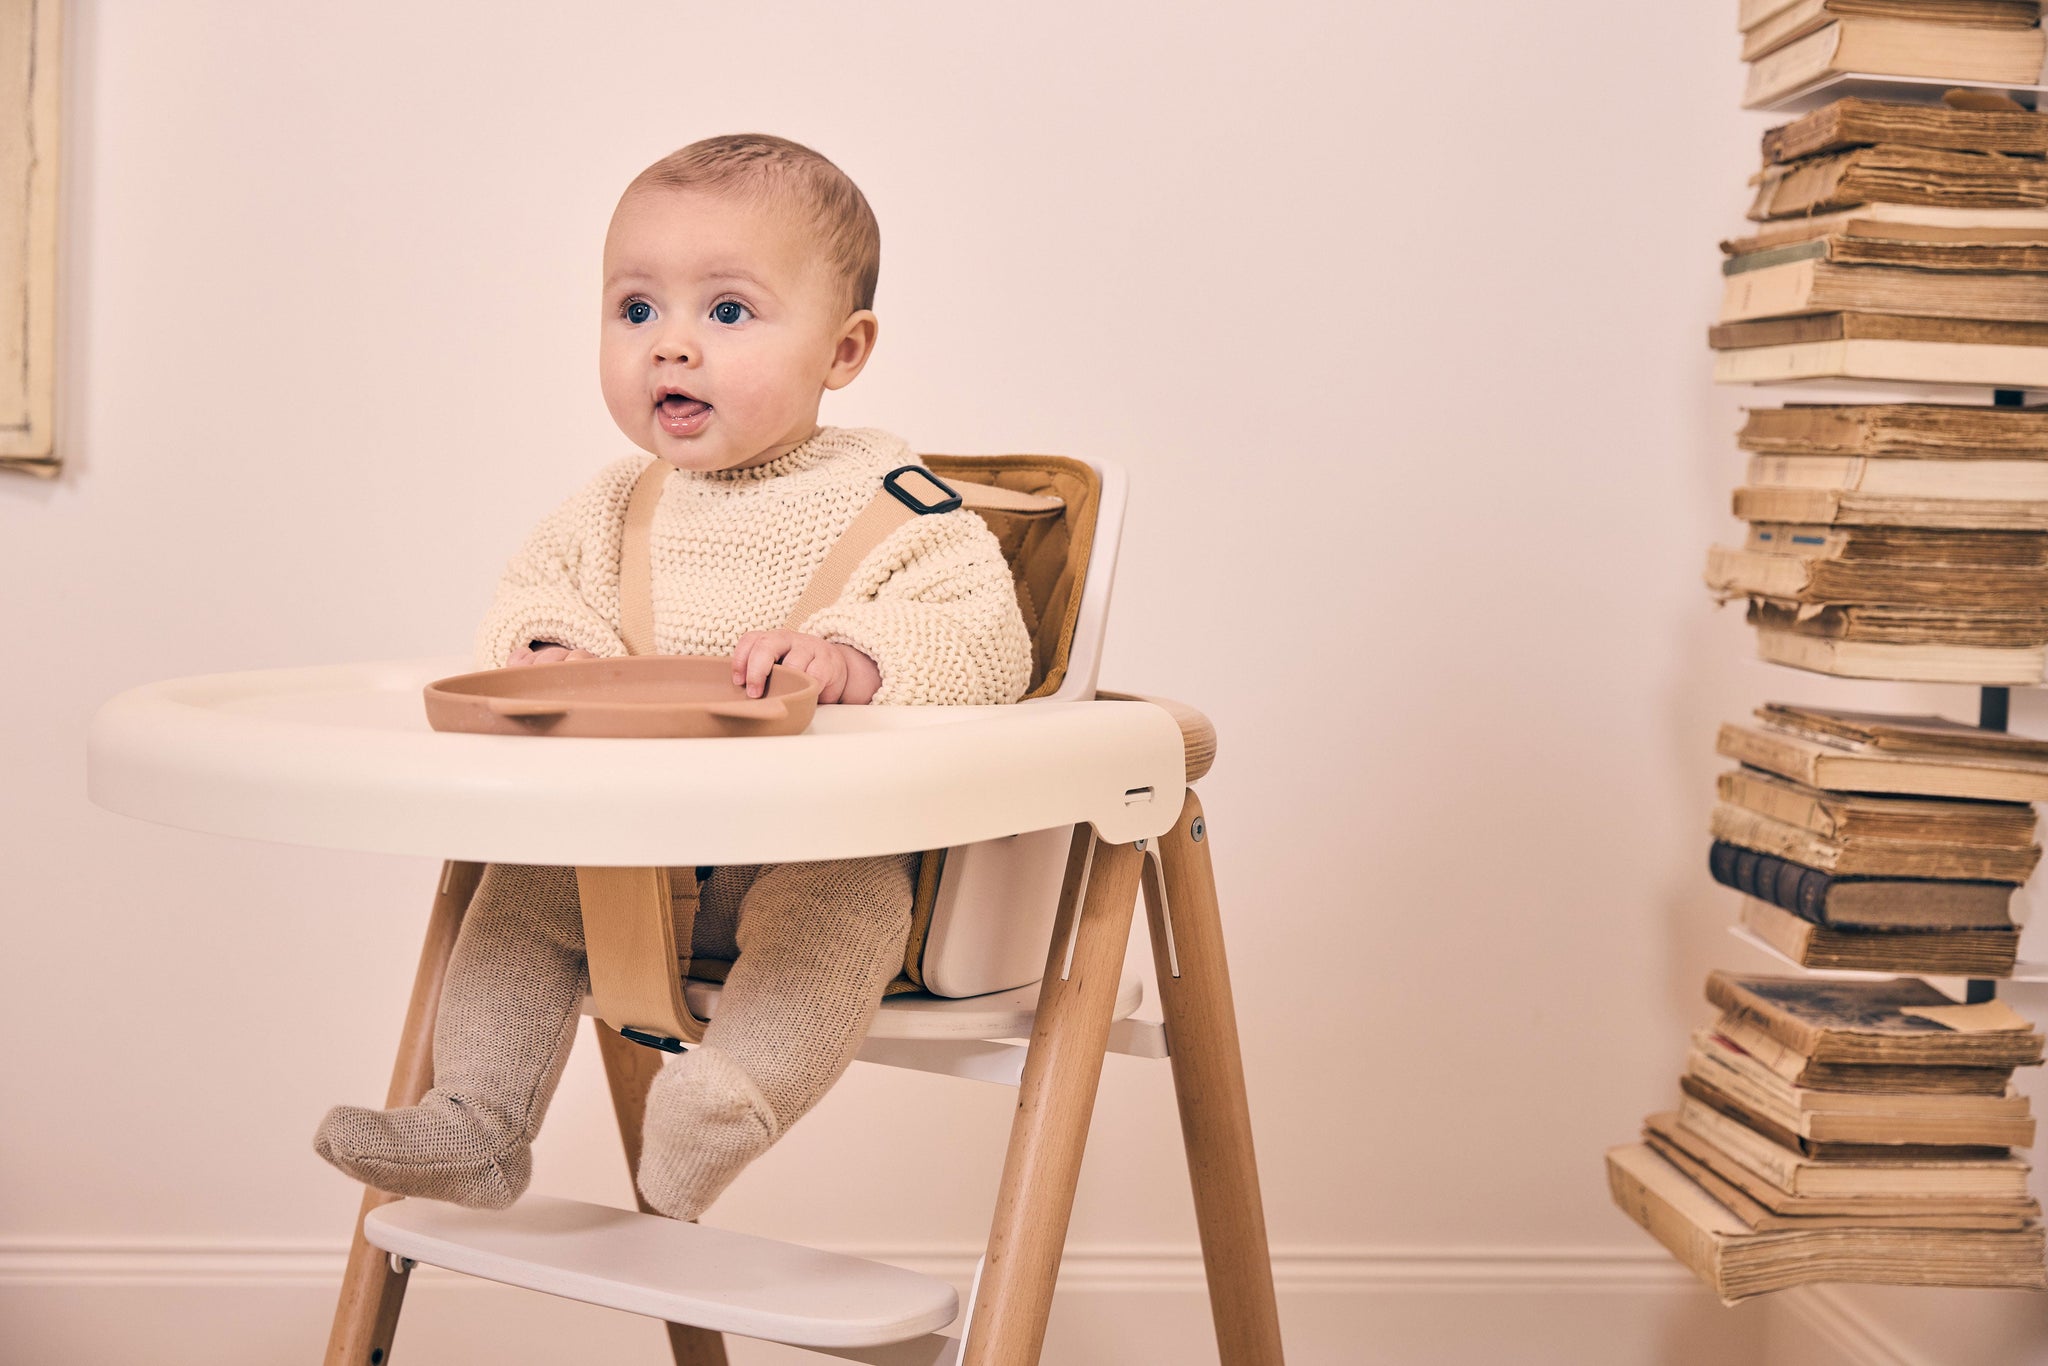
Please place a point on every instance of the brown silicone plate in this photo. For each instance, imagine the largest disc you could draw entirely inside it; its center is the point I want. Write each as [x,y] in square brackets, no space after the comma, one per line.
[644,697]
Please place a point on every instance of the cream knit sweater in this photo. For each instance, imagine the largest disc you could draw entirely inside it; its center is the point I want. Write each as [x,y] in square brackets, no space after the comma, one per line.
[933,605]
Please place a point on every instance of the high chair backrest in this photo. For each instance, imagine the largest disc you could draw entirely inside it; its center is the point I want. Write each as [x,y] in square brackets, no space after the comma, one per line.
[984,911]
[1064,566]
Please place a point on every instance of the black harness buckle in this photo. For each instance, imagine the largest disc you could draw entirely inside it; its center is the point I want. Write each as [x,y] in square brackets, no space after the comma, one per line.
[909,500]
[652,1040]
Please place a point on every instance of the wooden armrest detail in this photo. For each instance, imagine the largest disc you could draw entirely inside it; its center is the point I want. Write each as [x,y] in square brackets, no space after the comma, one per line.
[1197,734]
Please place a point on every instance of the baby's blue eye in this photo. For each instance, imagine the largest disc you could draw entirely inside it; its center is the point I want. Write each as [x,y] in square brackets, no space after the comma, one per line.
[638,310]
[730,311]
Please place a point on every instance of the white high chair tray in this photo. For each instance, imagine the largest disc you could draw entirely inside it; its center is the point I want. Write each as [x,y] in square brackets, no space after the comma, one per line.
[341,757]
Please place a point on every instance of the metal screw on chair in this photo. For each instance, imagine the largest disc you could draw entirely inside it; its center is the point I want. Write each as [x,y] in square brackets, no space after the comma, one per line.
[399,1267]
[1197,830]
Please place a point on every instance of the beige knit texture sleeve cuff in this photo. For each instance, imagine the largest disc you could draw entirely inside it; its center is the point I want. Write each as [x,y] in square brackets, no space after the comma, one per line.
[935,608]
[563,585]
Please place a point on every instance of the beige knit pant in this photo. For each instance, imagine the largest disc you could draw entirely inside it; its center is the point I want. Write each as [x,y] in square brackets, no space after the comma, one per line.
[812,944]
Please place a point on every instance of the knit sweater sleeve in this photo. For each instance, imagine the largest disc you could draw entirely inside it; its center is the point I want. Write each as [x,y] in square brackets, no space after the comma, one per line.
[563,585]
[936,609]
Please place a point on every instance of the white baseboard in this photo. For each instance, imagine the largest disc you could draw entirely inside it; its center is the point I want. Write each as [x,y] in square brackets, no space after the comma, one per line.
[102,1303]
[53,1262]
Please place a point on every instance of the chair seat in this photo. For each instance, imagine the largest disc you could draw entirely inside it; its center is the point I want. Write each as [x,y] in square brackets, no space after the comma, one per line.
[998,1015]
[685,1273]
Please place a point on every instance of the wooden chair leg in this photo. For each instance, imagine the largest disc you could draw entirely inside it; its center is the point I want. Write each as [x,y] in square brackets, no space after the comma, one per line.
[1208,1082]
[366,1315]
[1055,1100]
[630,1068]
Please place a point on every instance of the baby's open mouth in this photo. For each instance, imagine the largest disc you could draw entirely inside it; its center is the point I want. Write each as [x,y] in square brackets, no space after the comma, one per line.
[681,414]
[682,405]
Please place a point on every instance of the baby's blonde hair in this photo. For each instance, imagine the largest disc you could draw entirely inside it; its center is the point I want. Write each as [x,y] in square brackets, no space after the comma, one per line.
[766,165]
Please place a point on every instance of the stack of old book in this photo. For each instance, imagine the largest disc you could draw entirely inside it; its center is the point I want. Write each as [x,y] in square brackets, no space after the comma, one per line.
[1900,243]
[1793,44]
[1879,843]
[1843,1131]
[1898,540]
[1904,245]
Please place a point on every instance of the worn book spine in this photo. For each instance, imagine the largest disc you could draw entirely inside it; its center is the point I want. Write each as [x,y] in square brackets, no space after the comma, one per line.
[1910,431]
[1791,66]
[1976,665]
[1802,806]
[1867,1079]
[1887,625]
[1855,122]
[1843,507]
[1896,47]
[1802,891]
[1680,1230]
[1779,1163]
[1864,1022]
[1894,866]
[1890,361]
[1800,571]
[1773,752]
[1891,174]
[1855,326]
[1664,1133]
[1895,1118]
[1836,769]
[1815,285]
[1750,13]
[1957,953]
[1910,482]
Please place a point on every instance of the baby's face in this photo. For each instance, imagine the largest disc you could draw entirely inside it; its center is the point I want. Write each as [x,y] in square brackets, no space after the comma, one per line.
[723,325]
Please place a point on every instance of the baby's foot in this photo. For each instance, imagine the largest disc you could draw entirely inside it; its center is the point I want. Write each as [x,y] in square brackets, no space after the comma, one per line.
[442,1149]
[706,1120]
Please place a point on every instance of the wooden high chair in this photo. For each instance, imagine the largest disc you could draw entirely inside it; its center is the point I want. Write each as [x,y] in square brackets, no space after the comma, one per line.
[356,769]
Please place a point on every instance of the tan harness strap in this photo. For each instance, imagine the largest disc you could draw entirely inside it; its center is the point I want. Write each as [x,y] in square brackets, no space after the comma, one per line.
[869,529]
[633,932]
[631,924]
[885,513]
[636,563]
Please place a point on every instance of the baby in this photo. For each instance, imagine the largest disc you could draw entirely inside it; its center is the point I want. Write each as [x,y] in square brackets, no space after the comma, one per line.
[739,279]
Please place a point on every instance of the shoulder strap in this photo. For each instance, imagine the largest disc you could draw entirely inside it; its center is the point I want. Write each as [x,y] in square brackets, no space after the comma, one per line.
[890,508]
[636,564]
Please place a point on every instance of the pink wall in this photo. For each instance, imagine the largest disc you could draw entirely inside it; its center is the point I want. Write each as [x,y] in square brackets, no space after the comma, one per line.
[1395,316]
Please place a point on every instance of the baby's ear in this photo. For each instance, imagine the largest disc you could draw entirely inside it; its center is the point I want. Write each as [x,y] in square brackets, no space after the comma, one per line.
[850,353]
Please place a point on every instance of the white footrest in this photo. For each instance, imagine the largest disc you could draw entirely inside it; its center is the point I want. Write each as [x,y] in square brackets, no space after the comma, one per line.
[685,1273]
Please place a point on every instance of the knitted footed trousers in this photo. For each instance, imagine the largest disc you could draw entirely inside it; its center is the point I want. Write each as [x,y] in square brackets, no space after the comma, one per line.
[815,942]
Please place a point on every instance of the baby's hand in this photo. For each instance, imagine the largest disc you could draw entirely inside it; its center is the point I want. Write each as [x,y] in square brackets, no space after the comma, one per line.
[545,654]
[844,674]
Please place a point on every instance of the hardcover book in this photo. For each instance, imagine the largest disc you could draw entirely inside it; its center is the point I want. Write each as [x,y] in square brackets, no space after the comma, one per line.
[1737,1262]
[1902,1022]
[1852,817]
[1892,1118]
[1860,899]
[2006,128]
[1900,432]
[1694,1155]
[1952,953]
[1923,756]
[1896,47]
[1893,173]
